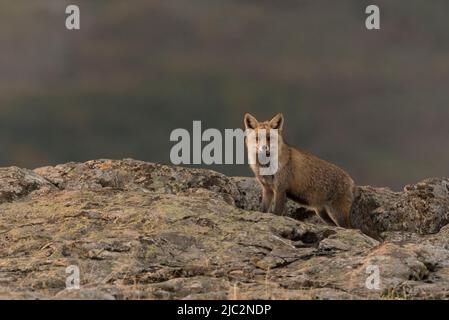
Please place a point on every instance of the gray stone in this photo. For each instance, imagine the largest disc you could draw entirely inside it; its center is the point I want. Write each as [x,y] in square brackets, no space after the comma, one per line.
[140,230]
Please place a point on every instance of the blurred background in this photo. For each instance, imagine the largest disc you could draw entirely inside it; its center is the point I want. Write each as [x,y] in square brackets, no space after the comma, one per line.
[373,102]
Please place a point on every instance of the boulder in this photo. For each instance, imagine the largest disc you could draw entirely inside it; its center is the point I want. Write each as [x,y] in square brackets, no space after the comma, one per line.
[138,230]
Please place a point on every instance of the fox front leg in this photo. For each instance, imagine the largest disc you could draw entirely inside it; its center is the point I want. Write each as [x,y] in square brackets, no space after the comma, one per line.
[267,199]
[280,199]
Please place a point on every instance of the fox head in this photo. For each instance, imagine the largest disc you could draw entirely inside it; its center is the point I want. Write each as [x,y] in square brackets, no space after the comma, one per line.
[260,135]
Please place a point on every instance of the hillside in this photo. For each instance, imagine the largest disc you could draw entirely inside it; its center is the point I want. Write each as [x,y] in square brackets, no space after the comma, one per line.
[374,103]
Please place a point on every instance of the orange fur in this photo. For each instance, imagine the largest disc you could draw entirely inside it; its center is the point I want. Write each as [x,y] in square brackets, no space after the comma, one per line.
[305,178]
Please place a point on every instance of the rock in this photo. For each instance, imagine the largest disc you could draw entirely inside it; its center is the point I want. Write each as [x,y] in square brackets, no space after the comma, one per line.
[140,230]
[132,175]
[422,208]
[16,183]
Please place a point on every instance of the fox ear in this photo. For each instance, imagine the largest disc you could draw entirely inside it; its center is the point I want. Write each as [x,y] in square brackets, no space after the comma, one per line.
[277,122]
[250,121]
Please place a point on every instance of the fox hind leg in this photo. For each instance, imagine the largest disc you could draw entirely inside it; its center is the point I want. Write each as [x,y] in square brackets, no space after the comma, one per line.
[322,213]
[339,213]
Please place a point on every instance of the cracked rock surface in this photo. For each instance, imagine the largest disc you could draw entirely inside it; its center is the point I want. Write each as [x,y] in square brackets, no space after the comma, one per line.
[139,230]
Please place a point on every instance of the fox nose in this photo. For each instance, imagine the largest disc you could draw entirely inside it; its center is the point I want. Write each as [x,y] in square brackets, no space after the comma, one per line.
[265,149]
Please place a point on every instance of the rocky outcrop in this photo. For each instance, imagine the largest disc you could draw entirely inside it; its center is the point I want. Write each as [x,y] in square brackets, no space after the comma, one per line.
[140,230]
[421,208]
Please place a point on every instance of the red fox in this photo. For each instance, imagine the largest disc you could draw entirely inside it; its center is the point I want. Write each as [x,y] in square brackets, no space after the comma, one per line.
[300,176]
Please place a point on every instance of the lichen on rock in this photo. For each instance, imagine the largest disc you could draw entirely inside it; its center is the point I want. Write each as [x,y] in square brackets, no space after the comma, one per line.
[140,230]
